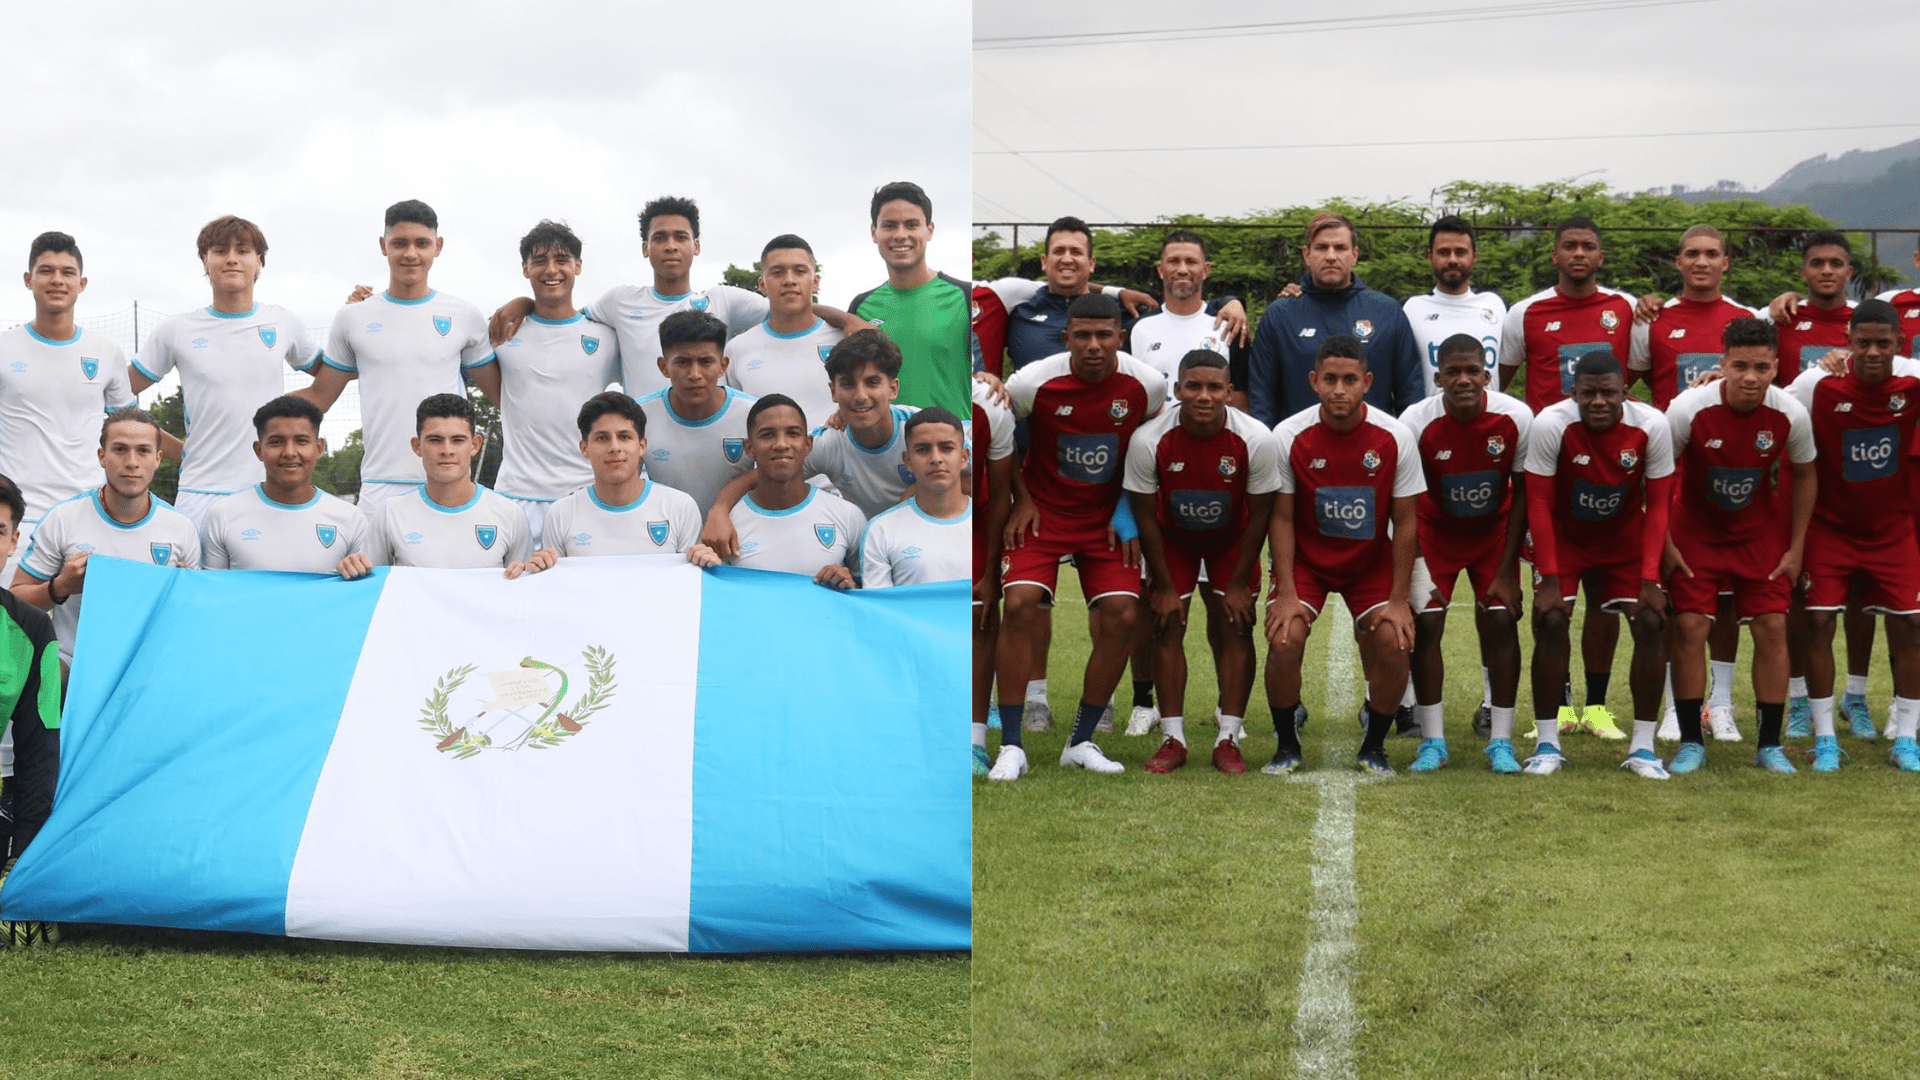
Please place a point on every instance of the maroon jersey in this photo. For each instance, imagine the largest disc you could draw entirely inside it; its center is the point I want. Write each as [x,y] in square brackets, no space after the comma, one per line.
[1682,341]
[1907,303]
[1549,332]
[1809,335]
[1200,486]
[1598,481]
[1862,434]
[1077,439]
[1344,484]
[1733,491]
[1468,466]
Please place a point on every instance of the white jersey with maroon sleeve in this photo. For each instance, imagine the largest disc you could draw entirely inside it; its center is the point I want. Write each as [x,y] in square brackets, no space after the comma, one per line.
[1344,484]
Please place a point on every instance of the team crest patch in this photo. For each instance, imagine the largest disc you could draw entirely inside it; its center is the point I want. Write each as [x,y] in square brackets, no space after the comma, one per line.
[1227,467]
[89,366]
[699,303]
[824,534]
[522,708]
[1496,445]
[1628,459]
[328,534]
[160,553]
[824,350]
[657,532]
[1897,402]
[1371,460]
[1487,315]
[443,324]
[1763,441]
[1609,320]
[589,345]
[486,534]
[1363,328]
[733,448]
[268,335]
[1119,409]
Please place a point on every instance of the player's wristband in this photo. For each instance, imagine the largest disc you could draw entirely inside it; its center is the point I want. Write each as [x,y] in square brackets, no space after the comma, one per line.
[50,596]
[1123,524]
[1110,290]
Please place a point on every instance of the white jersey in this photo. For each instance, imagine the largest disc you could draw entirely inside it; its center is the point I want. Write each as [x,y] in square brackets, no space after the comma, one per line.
[230,365]
[249,531]
[403,351]
[1161,340]
[80,524]
[697,456]
[547,371]
[873,479]
[54,396]
[819,530]
[413,530]
[1437,316]
[905,545]
[636,312]
[662,520]
[761,362]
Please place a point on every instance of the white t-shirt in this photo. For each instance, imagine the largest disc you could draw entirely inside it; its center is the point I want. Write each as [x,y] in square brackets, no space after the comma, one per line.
[873,479]
[165,537]
[413,530]
[905,545]
[819,530]
[403,351]
[762,362]
[1163,339]
[699,456]
[54,395]
[635,312]
[662,520]
[249,531]
[547,371]
[1437,316]
[230,365]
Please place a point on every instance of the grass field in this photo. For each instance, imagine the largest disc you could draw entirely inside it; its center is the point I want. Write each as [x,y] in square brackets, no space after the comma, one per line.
[1591,924]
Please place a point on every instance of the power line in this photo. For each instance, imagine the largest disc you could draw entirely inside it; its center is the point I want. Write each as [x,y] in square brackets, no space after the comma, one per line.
[1023,154]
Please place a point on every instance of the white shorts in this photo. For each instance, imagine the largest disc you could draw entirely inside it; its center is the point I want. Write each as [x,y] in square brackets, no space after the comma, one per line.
[374,493]
[195,505]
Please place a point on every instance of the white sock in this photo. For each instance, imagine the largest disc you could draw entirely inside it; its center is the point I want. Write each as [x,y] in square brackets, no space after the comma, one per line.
[1486,688]
[1175,728]
[980,736]
[1822,715]
[1432,718]
[1502,722]
[1722,693]
[1856,684]
[1906,714]
[1407,699]
[1231,727]
[1549,735]
[1037,690]
[1642,736]
[1796,686]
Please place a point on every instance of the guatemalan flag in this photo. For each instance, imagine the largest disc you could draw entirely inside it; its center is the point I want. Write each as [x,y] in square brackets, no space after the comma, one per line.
[616,754]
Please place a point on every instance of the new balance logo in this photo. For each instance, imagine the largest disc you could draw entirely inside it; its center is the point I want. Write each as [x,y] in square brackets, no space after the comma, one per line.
[1803,325]
[1063,410]
[1845,406]
[1444,455]
[1680,333]
[1435,317]
[1317,463]
[1307,331]
[1713,444]
[1552,326]
[1177,466]
[1582,459]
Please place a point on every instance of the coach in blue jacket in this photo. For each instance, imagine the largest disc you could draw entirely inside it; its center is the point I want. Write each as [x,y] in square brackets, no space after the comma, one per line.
[1334,302]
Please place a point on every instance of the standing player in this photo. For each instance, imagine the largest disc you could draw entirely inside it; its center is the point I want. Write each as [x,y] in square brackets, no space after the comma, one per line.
[1472,516]
[451,523]
[786,354]
[621,512]
[1599,489]
[1907,303]
[1083,408]
[1453,307]
[1732,524]
[1341,462]
[926,313]
[283,522]
[1184,323]
[405,344]
[923,538]
[993,501]
[697,425]
[1862,533]
[1202,479]
[229,355]
[556,360]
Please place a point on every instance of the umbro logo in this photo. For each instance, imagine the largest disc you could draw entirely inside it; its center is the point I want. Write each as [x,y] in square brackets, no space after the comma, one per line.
[1177,466]
[1582,459]
[1552,326]
[1063,410]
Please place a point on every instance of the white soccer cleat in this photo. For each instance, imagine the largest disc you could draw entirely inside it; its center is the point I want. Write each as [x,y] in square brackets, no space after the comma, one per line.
[1543,764]
[1645,764]
[1142,720]
[1669,727]
[1720,723]
[1010,765]
[1087,756]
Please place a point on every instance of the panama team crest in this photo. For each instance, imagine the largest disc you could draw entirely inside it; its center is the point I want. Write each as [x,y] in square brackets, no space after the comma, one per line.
[657,532]
[89,366]
[443,324]
[486,534]
[1496,445]
[1609,320]
[1628,459]
[525,711]
[1763,441]
[327,533]
[1371,461]
[268,335]
[733,448]
[1227,466]
[824,534]
[160,553]
[1897,402]
[1118,410]
[1363,328]
[589,345]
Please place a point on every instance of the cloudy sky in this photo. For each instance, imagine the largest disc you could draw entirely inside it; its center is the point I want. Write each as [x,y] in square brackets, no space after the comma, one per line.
[131,125]
[1382,99]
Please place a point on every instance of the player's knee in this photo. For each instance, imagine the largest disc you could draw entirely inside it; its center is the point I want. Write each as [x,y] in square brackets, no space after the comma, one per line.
[1551,623]
[1905,627]
[1648,624]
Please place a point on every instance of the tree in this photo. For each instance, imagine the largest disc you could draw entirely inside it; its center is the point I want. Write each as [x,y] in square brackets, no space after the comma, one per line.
[171,414]
[338,472]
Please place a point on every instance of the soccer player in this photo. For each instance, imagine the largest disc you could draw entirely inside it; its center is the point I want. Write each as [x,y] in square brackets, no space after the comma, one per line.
[784,523]
[993,501]
[1202,479]
[924,538]
[121,519]
[1472,516]
[1188,321]
[621,512]
[1862,534]
[1334,301]
[556,360]
[229,355]
[1083,408]
[283,522]
[1341,463]
[787,353]
[1453,307]
[30,700]
[56,379]
[451,523]
[927,314]
[406,344]
[1733,531]
[1907,303]
[697,426]
[1599,486]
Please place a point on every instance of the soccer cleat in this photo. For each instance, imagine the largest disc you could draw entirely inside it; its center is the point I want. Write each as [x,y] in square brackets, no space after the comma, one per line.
[1827,753]
[1483,721]
[1799,718]
[1545,763]
[1500,757]
[1905,754]
[1300,716]
[1226,758]
[21,934]
[980,766]
[1644,763]
[1858,718]
[1171,755]
[1106,720]
[1669,727]
[1431,757]
[1596,719]
[1374,762]
[1038,717]
[1691,757]
[1774,759]
[1010,765]
[1284,762]
[1142,720]
[1088,756]
[1720,723]
[1404,725]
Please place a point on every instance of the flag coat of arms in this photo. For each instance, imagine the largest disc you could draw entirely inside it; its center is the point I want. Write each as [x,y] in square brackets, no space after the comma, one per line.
[458,759]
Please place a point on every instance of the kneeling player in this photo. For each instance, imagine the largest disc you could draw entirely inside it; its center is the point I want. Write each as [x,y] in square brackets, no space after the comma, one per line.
[1340,462]
[452,523]
[1599,482]
[1473,448]
[1202,478]
[621,512]
[284,522]
[1733,532]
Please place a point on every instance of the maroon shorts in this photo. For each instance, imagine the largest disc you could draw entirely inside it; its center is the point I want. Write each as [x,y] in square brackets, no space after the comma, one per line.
[1614,585]
[1183,566]
[1102,572]
[1887,571]
[1720,570]
[1447,554]
[1362,594]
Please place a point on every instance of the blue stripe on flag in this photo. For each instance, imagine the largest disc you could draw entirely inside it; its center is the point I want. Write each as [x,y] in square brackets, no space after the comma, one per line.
[186,811]
[831,767]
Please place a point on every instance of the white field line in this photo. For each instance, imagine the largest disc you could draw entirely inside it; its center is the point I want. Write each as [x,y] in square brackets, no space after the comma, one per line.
[1324,1025]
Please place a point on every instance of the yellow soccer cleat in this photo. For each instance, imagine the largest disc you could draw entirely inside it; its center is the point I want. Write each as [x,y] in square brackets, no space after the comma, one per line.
[1598,721]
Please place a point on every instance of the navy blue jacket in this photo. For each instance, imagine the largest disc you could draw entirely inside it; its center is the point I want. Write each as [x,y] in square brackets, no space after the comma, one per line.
[1292,331]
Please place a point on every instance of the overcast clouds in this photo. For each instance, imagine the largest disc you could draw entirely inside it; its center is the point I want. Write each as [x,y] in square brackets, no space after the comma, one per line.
[1720,65]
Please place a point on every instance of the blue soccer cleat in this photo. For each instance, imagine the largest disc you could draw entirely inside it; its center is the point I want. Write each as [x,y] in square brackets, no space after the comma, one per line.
[1691,757]
[1799,718]
[1858,718]
[1774,759]
[1646,764]
[1500,757]
[1283,763]
[1905,754]
[1431,756]
[1827,754]
[980,765]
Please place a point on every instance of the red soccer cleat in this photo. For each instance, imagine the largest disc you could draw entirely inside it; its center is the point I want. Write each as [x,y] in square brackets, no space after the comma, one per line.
[1171,755]
[1226,758]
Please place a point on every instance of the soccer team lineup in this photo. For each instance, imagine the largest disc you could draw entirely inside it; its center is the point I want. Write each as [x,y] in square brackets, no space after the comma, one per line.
[1689,466]
[720,425]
